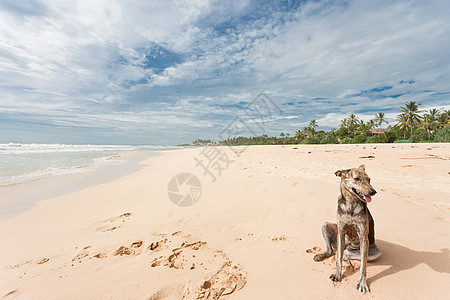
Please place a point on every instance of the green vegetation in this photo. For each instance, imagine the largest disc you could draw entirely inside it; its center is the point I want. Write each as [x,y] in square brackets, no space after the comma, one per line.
[443,135]
[411,126]
[200,142]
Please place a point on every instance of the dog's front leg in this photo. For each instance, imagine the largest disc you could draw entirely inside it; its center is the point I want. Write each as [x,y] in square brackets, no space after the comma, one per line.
[364,248]
[336,276]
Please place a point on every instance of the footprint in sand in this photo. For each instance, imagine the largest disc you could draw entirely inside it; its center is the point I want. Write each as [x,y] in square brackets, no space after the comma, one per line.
[216,275]
[181,233]
[279,239]
[228,279]
[124,251]
[101,255]
[158,246]
[16,266]
[134,249]
[112,224]
[83,254]
[11,295]
[38,262]
[43,261]
[314,250]
[176,259]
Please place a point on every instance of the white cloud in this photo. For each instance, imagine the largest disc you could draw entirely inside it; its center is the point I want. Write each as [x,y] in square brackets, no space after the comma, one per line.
[84,61]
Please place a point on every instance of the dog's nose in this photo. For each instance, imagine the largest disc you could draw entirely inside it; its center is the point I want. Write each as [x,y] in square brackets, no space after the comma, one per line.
[372,192]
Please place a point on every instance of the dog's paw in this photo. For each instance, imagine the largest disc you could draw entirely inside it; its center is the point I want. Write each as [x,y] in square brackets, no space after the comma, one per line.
[335,277]
[322,256]
[363,287]
[318,257]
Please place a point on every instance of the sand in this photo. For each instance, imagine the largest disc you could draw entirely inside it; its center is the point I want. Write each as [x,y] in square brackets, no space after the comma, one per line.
[251,235]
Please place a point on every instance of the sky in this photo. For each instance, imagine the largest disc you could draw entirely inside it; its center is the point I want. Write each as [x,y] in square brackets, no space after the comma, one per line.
[168,72]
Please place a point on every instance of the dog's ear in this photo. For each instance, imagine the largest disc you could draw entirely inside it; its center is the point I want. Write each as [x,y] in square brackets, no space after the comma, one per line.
[362,167]
[342,173]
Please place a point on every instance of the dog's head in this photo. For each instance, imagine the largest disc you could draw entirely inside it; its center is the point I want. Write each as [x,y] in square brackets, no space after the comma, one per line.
[357,182]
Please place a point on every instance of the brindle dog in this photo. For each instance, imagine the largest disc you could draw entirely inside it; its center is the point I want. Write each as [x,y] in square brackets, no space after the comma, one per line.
[355,229]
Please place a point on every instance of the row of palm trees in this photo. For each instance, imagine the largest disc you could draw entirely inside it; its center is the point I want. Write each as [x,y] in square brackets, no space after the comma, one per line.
[412,123]
[354,125]
[408,120]
[309,130]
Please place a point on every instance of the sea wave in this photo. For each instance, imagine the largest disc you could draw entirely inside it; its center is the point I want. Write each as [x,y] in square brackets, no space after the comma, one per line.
[20,163]
[18,148]
[8,180]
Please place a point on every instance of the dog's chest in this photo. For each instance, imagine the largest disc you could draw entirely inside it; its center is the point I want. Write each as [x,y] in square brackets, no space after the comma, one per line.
[349,221]
[353,219]
[351,226]
[351,232]
[351,212]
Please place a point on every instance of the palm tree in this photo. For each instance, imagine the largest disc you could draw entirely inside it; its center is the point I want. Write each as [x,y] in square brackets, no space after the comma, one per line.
[371,124]
[442,120]
[344,123]
[299,134]
[447,112]
[352,122]
[403,123]
[379,119]
[427,124]
[312,126]
[434,114]
[363,127]
[411,111]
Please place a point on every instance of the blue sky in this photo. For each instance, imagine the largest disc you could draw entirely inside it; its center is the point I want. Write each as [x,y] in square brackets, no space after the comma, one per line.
[168,72]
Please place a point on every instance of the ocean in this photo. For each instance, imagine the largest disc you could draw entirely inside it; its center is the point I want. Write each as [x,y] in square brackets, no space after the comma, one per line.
[22,163]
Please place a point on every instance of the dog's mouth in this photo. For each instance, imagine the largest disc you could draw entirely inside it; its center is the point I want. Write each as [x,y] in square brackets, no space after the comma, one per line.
[362,196]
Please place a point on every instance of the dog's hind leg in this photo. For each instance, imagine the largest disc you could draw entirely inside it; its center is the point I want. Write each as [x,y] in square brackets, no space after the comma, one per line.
[329,232]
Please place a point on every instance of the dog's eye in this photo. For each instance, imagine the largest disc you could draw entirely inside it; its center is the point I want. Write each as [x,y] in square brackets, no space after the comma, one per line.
[357,179]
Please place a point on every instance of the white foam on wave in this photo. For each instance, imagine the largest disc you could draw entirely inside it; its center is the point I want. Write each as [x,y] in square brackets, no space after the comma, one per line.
[17,148]
[13,148]
[30,162]
[9,180]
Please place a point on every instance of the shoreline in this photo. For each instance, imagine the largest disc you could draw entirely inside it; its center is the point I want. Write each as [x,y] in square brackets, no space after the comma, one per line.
[21,197]
[252,234]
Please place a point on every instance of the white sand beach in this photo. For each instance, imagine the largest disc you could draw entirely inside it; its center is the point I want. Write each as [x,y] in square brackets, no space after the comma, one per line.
[251,235]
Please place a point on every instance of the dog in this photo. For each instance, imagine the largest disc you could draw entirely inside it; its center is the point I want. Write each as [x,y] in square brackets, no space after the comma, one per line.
[354,232]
